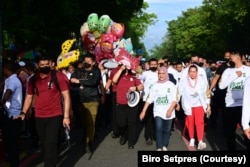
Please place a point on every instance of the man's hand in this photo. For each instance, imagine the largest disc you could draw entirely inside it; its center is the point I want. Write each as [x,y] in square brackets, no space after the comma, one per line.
[74,80]
[133,88]
[21,116]
[102,99]
[142,115]
[123,67]
[247,133]
[66,122]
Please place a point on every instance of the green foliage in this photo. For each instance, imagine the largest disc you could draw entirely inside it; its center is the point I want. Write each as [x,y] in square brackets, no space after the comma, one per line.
[45,24]
[210,30]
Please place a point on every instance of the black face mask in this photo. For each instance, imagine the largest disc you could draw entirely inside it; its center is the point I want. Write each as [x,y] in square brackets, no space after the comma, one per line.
[44,70]
[196,63]
[232,64]
[213,69]
[86,65]
[201,64]
[226,60]
[153,69]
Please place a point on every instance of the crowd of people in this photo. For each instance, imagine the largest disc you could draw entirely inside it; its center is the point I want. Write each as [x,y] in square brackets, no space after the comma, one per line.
[89,96]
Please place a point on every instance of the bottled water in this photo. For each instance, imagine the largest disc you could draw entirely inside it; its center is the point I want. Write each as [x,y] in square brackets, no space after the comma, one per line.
[67,134]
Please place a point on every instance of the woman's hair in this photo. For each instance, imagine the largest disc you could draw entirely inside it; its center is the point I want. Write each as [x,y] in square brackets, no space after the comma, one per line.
[192,66]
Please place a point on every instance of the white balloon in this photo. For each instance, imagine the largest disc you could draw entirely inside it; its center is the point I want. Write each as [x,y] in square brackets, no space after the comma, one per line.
[84,28]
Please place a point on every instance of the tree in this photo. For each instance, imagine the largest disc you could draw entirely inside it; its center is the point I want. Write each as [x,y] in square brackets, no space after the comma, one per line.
[210,30]
[46,24]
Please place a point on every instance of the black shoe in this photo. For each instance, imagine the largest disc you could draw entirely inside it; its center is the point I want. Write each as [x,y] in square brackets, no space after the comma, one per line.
[89,149]
[122,140]
[149,141]
[113,135]
[131,147]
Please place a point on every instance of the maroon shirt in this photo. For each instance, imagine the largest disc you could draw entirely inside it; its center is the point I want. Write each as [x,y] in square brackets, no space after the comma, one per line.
[48,101]
[113,72]
[123,85]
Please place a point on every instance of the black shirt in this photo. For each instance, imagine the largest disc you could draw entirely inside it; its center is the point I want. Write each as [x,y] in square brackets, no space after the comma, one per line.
[220,71]
[89,82]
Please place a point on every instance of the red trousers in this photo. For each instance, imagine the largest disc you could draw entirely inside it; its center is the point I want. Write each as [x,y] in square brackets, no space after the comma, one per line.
[196,120]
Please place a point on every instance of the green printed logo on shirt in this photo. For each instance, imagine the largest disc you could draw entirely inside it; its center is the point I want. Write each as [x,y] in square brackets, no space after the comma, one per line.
[162,100]
[168,90]
[237,85]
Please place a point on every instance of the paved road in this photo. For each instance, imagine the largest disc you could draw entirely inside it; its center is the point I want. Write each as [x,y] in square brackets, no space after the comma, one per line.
[110,153]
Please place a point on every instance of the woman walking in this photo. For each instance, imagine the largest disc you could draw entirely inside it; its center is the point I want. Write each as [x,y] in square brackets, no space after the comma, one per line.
[193,89]
[164,96]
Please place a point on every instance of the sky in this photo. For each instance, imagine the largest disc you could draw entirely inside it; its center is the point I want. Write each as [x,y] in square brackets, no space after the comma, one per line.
[166,10]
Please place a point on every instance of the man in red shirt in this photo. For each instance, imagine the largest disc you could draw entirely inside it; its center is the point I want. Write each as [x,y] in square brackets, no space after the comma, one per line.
[113,86]
[50,113]
[126,115]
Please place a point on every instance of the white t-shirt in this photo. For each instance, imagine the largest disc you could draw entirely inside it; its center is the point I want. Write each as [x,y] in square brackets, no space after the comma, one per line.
[178,76]
[194,96]
[105,75]
[234,84]
[148,78]
[245,119]
[162,95]
[172,71]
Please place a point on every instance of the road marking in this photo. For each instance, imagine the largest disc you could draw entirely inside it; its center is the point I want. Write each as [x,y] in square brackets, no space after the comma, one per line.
[182,131]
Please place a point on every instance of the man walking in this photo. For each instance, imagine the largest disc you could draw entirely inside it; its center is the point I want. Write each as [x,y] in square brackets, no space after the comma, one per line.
[49,111]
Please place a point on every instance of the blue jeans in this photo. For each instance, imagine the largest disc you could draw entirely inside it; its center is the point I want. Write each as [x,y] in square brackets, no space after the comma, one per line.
[162,131]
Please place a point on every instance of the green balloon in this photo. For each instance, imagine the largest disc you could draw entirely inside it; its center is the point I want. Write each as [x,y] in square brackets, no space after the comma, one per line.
[92,22]
[104,23]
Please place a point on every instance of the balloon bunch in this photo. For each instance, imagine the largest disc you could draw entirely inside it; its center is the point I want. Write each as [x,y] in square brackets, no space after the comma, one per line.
[104,38]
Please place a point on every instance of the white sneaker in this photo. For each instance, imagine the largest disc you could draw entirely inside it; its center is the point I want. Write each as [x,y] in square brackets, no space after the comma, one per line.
[159,149]
[192,142]
[202,145]
[164,148]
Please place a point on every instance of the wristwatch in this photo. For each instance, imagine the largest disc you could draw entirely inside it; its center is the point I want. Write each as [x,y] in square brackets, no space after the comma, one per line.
[22,113]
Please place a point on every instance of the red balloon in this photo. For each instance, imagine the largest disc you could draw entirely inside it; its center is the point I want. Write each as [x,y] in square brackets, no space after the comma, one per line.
[108,38]
[89,42]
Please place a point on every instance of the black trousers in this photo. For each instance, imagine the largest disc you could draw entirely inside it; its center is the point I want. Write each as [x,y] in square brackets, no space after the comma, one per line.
[218,106]
[126,120]
[48,130]
[114,113]
[104,114]
[233,117]
[10,133]
[149,122]
[31,122]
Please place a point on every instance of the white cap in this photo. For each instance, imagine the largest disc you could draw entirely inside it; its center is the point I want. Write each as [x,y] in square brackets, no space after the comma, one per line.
[21,63]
